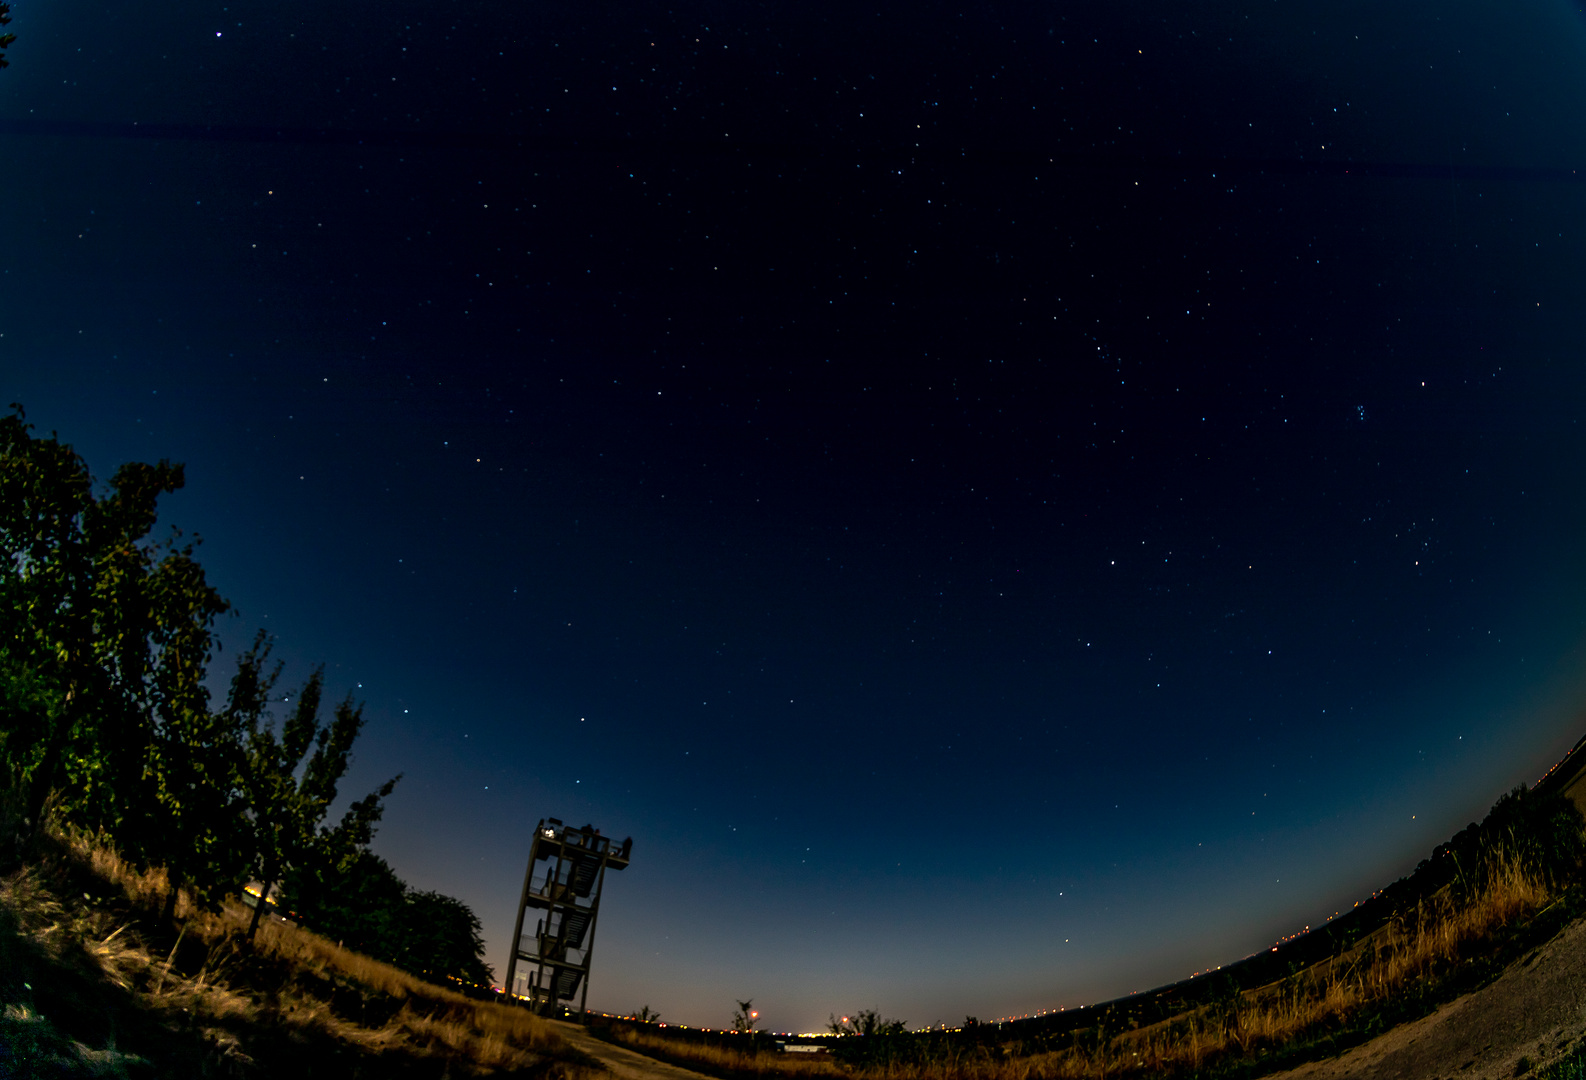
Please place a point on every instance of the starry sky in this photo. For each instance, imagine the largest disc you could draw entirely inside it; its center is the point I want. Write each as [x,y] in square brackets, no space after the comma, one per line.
[1008,504]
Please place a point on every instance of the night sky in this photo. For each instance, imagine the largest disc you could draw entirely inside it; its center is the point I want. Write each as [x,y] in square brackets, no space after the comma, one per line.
[1007,504]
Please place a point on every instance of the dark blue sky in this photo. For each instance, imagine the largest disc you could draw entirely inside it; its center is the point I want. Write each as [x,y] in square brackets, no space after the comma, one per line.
[1008,505]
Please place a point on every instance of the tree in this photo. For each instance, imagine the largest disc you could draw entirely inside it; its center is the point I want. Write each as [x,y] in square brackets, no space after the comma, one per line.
[5,38]
[26,701]
[646,1015]
[439,937]
[865,1022]
[368,908]
[1540,834]
[47,600]
[112,632]
[746,1017]
[286,800]
[881,1040]
[359,904]
[23,698]
[194,818]
[105,641]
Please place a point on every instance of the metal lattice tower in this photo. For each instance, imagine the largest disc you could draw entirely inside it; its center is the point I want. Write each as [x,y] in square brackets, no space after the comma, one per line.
[566,869]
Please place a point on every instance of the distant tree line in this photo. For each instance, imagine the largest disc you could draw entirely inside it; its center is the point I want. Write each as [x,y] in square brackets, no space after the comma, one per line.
[106,721]
[882,1041]
[1540,832]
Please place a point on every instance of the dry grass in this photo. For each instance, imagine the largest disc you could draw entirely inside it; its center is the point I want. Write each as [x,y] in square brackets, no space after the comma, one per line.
[723,1058]
[238,1006]
[242,1007]
[1418,946]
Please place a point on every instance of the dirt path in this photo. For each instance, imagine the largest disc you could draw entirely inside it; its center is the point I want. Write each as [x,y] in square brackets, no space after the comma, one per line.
[623,1063]
[1535,1010]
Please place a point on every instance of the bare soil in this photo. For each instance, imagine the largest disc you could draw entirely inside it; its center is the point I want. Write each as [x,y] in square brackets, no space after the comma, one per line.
[1535,1011]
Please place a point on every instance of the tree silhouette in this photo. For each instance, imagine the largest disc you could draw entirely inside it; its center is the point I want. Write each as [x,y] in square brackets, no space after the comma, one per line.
[5,38]
[881,1041]
[746,1017]
[865,1022]
[286,800]
[441,937]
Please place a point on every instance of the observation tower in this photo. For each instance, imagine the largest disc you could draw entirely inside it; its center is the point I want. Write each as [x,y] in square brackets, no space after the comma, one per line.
[567,868]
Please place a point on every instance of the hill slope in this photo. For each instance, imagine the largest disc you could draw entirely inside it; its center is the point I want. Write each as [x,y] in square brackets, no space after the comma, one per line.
[1531,1017]
[94,982]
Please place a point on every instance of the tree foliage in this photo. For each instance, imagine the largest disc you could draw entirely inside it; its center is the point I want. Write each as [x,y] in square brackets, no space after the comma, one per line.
[106,636]
[865,1022]
[6,38]
[285,798]
[745,1018]
[881,1040]
[366,907]
[443,937]
[1542,832]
